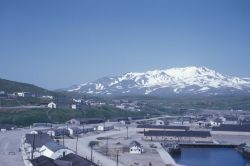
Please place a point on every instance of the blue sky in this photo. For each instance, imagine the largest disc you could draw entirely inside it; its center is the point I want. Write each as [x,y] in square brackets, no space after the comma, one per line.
[57,43]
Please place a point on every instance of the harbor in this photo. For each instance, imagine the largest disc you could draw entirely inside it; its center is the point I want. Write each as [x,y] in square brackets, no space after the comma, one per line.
[207,156]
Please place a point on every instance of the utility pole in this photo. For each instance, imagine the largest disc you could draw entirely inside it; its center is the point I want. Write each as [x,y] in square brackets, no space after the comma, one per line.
[33,146]
[63,137]
[127,131]
[107,149]
[91,155]
[51,130]
[76,141]
[117,157]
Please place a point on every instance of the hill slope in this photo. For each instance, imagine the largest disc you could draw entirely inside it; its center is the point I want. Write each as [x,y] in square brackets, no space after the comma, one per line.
[174,81]
[13,86]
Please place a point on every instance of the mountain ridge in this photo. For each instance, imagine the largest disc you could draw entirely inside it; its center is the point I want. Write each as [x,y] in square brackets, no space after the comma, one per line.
[173,81]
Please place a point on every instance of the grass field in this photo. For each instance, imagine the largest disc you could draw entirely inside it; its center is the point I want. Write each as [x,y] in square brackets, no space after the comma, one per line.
[28,117]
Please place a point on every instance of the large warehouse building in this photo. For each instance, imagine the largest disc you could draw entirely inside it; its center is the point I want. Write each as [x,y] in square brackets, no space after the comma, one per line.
[181,136]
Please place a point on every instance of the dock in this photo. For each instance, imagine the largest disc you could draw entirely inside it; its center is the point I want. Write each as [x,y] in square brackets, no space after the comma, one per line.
[165,156]
[208,145]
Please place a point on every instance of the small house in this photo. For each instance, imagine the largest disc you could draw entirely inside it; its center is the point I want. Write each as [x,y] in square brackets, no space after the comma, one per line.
[52,105]
[159,122]
[135,148]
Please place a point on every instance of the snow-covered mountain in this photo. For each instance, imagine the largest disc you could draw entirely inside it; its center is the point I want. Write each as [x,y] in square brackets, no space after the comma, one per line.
[174,81]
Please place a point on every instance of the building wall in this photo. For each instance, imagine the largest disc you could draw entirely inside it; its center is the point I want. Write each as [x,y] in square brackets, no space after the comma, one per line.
[59,153]
[171,138]
[46,152]
[230,133]
[135,150]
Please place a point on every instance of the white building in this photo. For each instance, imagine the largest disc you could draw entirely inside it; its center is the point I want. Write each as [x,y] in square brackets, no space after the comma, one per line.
[47,97]
[159,122]
[214,124]
[20,94]
[135,148]
[104,128]
[54,150]
[52,105]
[74,106]
[74,122]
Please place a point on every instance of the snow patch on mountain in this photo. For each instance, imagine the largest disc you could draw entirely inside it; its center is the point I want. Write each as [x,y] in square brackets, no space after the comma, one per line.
[192,80]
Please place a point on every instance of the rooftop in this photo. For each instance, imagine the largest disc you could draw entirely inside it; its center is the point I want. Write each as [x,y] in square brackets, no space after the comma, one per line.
[42,161]
[77,160]
[135,143]
[38,140]
[54,146]
[238,128]
[177,133]
[163,127]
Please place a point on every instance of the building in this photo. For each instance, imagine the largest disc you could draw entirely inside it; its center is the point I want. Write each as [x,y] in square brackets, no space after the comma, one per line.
[25,94]
[60,132]
[91,120]
[74,122]
[5,127]
[227,129]
[75,160]
[34,142]
[214,123]
[54,150]
[104,128]
[161,127]
[159,122]
[88,129]
[79,105]
[42,124]
[135,148]
[3,94]
[179,136]
[52,105]
[42,161]
[74,131]
[67,160]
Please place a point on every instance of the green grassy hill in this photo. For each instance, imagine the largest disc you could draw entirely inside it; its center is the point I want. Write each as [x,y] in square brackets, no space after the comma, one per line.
[13,86]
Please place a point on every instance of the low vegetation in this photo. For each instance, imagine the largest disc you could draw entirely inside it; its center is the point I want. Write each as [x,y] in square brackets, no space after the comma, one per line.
[28,117]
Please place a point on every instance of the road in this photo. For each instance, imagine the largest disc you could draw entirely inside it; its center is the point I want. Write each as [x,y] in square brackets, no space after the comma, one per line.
[9,148]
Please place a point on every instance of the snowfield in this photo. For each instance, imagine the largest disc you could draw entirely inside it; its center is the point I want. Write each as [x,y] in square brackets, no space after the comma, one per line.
[188,80]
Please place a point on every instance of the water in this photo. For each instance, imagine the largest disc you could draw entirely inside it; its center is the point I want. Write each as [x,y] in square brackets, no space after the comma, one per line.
[210,157]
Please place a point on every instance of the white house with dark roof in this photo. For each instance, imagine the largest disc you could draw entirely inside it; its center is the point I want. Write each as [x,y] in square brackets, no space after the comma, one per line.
[54,150]
[135,148]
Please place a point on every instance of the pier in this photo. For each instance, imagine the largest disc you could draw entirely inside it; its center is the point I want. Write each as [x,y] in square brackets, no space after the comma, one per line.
[165,156]
[208,145]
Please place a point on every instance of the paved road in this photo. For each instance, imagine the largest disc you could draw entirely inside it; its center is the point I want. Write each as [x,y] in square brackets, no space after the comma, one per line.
[9,148]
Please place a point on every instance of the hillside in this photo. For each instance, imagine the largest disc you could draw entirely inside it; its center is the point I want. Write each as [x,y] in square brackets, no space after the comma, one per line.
[13,86]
